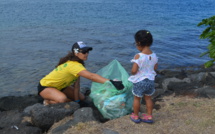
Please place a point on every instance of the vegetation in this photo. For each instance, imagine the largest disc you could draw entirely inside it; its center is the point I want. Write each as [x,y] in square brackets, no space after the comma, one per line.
[209,33]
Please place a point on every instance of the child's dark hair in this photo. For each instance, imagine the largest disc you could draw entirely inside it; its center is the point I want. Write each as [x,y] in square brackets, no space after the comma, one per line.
[144,37]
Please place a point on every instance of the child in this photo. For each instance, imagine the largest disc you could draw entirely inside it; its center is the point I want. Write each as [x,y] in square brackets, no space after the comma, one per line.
[143,75]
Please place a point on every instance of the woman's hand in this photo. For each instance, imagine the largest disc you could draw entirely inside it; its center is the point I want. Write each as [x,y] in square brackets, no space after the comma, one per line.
[117,84]
[97,78]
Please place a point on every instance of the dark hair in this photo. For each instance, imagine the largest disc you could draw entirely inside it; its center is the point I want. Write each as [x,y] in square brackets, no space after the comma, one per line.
[144,37]
[70,56]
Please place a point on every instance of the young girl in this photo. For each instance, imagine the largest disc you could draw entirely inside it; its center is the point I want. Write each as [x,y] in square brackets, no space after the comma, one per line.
[143,75]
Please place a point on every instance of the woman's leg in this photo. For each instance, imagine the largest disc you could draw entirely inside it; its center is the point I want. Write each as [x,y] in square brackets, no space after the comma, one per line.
[149,104]
[69,92]
[136,105]
[52,96]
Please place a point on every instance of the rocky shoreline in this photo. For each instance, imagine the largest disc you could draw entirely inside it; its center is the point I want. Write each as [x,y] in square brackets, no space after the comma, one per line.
[27,114]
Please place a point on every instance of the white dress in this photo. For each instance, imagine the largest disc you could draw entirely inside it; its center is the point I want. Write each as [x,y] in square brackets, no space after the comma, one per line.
[146,65]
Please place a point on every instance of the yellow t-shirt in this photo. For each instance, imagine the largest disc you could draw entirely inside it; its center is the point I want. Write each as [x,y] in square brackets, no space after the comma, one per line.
[63,76]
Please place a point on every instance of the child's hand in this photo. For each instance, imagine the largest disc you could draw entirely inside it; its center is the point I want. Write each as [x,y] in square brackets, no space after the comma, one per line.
[117,84]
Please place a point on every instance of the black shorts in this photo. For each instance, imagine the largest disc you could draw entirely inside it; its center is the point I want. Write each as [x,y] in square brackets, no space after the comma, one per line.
[40,88]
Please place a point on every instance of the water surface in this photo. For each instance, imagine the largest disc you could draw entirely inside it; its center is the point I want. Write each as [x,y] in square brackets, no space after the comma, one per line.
[35,34]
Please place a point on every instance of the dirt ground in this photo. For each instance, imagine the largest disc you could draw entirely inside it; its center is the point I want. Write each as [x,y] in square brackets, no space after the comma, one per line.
[178,115]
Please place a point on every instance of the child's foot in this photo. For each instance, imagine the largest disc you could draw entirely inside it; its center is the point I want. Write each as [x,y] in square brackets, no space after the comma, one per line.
[146,118]
[135,118]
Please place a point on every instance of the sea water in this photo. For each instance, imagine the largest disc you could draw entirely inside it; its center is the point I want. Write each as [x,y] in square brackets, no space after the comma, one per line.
[35,34]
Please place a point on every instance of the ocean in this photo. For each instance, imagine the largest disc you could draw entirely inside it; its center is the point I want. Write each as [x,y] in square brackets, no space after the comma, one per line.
[35,34]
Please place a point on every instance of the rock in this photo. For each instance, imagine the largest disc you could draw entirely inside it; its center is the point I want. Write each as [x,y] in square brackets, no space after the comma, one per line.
[45,116]
[87,102]
[209,79]
[18,102]
[204,78]
[158,92]
[197,77]
[12,122]
[206,91]
[166,82]
[177,73]
[10,118]
[183,88]
[27,110]
[21,129]
[81,115]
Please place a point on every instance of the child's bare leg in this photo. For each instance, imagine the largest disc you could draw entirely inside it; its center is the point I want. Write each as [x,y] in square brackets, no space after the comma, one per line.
[136,105]
[149,104]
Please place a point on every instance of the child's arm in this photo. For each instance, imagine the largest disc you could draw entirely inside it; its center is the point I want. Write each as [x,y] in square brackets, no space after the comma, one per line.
[135,66]
[156,66]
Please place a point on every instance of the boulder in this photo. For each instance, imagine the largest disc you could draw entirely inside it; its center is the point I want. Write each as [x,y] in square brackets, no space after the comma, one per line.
[12,122]
[18,102]
[183,88]
[45,116]
[203,78]
[21,129]
[10,118]
[80,115]
[207,91]
[166,82]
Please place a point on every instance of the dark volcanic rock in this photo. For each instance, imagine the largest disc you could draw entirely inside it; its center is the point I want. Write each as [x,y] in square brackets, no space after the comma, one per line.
[21,129]
[18,102]
[81,115]
[10,118]
[45,116]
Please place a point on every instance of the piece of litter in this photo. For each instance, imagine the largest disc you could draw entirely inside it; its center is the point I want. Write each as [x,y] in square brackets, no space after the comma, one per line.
[15,127]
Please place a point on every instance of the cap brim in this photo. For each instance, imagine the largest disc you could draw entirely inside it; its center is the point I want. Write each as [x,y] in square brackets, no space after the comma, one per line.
[87,48]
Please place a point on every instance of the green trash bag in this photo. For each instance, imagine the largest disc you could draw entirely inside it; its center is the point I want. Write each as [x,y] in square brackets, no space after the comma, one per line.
[112,103]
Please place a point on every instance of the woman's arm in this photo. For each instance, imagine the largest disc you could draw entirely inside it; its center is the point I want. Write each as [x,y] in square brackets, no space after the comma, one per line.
[97,78]
[92,76]
[76,89]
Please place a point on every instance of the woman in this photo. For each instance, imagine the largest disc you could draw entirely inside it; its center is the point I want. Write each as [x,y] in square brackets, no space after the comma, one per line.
[63,83]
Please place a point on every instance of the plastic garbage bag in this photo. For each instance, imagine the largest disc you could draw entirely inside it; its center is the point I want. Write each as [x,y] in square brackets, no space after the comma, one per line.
[112,103]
